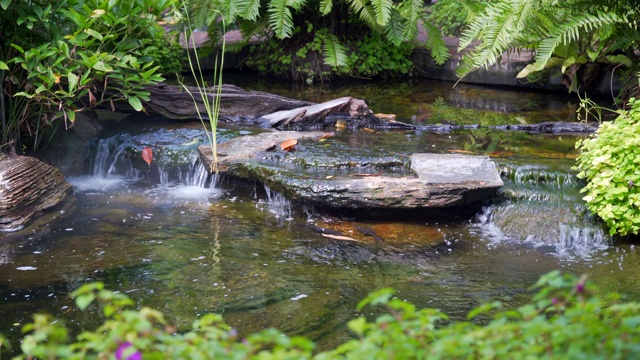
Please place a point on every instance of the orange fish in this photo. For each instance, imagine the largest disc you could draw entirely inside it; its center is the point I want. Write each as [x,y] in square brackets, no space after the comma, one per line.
[147,155]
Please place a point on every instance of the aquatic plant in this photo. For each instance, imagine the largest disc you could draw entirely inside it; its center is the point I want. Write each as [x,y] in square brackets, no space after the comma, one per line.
[608,161]
[566,319]
[211,103]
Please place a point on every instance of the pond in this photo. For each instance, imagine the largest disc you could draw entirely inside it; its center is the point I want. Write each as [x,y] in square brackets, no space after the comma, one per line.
[177,239]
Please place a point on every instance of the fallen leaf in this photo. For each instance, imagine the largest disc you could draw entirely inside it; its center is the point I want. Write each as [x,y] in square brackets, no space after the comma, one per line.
[326,135]
[379,173]
[147,155]
[456,151]
[369,130]
[289,144]
[340,237]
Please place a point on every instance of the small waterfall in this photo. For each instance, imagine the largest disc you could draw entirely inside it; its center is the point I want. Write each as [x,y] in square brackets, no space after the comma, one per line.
[543,209]
[175,167]
[277,204]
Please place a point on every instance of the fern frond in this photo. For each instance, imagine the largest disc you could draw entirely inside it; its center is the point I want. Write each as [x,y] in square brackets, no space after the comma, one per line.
[248,9]
[395,28]
[435,43]
[335,54]
[569,31]
[365,12]
[412,11]
[382,11]
[325,7]
[280,19]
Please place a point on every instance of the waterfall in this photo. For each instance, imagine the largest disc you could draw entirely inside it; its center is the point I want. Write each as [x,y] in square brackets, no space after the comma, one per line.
[118,165]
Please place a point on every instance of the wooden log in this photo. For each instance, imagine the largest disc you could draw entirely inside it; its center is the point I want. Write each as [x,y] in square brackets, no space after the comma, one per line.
[236,104]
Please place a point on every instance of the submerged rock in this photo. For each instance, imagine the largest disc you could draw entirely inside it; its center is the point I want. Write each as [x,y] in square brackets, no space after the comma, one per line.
[27,187]
[438,181]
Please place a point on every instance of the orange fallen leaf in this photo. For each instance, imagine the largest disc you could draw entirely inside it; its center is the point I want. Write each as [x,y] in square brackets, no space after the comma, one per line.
[147,155]
[462,151]
[326,135]
[289,144]
[340,237]
[379,173]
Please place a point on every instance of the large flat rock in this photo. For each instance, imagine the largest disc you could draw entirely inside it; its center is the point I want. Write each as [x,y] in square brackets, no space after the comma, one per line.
[455,168]
[438,181]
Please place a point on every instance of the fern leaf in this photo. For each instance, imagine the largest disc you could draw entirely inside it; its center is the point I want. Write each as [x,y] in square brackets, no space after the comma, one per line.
[382,11]
[365,12]
[394,30]
[435,43]
[412,11]
[325,7]
[335,54]
[249,9]
[570,32]
[280,19]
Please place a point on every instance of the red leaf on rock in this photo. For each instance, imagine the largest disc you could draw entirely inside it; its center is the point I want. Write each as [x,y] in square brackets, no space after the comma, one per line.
[147,155]
[288,144]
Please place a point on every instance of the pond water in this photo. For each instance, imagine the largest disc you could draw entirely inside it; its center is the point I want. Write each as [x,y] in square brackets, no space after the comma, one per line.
[177,239]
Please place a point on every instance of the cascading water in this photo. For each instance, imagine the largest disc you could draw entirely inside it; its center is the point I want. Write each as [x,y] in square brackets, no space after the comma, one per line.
[175,169]
[541,207]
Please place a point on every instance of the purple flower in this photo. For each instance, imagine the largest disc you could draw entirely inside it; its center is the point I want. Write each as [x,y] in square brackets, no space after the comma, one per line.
[554,301]
[126,351]
[580,287]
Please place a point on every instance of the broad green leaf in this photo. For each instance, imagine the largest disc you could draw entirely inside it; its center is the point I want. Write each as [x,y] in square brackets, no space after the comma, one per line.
[619,59]
[4,4]
[3,65]
[73,81]
[101,66]
[97,13]
[72,115]
[83,301]
[568,62]
[94,33]
[135,103]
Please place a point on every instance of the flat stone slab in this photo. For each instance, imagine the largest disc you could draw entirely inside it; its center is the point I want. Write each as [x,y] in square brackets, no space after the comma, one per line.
[440,180]
[455,168]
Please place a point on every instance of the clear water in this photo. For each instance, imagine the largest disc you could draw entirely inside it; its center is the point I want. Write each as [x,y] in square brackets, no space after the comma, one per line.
[177,239]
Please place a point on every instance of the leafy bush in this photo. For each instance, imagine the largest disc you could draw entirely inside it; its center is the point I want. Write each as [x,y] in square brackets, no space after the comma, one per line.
[609,163]
[451,16]
[367,56]
[566,319]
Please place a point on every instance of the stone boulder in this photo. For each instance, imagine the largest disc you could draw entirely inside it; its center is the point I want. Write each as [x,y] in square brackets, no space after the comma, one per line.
[27,188]
[437,181]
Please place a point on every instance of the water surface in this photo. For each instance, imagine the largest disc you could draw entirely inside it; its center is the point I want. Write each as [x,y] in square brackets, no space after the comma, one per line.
[177,239]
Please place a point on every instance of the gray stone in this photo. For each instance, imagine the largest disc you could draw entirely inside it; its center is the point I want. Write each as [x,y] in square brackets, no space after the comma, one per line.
[442,181]
[27,188]
[455,168]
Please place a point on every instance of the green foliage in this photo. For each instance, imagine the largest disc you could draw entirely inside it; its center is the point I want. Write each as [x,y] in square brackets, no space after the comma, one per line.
[211,103]
[324,56]
[574,35]
[63,56]
[566,319]
[451,16]
[336,24]
[609,163]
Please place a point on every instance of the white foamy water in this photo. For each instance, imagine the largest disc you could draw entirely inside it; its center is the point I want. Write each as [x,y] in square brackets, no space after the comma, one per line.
[98,182]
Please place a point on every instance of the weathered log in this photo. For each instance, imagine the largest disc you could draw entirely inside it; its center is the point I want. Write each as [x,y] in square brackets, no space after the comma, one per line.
[254,107]
[27,187]
[236,104]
